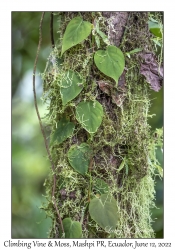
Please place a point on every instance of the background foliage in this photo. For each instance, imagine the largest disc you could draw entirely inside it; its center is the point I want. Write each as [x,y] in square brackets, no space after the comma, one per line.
[29,161]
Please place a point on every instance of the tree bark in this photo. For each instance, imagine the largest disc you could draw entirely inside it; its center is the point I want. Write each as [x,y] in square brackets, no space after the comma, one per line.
[123,144]
[117,23]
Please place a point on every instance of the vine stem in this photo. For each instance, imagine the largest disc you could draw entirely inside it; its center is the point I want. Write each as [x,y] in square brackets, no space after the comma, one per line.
[39,119]
[90,181]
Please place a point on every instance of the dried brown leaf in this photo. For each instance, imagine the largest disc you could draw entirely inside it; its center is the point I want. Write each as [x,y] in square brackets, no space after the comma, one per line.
[151,70]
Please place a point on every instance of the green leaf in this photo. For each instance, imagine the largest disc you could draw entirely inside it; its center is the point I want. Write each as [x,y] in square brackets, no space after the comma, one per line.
[111,62]
[155,28]
[77,30]
[70,86]
[153,20]
[104,37]
[89,115]
[156,41]
[79,157]
[64,130]
[133,51]
[72,229]
[100,186]
[121,165]
[103,211]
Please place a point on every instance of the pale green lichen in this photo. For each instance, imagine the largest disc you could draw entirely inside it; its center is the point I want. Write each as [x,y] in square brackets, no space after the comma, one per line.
[123,134]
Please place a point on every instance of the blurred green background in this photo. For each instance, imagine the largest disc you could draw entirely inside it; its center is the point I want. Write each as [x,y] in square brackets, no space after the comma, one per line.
[29,159]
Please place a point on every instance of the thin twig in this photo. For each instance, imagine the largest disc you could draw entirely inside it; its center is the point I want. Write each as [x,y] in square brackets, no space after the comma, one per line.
[34,92]
[39,118]
[62,228]
[89,191]
[51,30]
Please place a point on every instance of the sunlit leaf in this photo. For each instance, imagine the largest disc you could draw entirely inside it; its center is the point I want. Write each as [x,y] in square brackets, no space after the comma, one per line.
[111,62]
[76,31]
[155,28]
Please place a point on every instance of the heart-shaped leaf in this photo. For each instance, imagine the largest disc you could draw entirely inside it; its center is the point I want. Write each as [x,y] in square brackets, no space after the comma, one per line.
[100,186]
[111,62]
[72,229]
[70,86]
[64,130]
[103,211]
[155,28]
[79,157]
[76,31]
[89,115]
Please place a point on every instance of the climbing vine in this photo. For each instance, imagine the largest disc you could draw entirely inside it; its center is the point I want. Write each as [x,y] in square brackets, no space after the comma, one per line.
[100,142]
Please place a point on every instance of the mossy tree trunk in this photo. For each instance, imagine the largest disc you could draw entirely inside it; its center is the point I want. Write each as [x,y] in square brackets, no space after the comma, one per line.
[122,149]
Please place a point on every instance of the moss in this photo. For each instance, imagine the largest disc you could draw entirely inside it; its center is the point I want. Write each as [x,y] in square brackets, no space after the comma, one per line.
[124,135]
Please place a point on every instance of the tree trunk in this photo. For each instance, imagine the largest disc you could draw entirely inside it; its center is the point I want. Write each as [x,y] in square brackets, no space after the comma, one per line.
[123,147]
